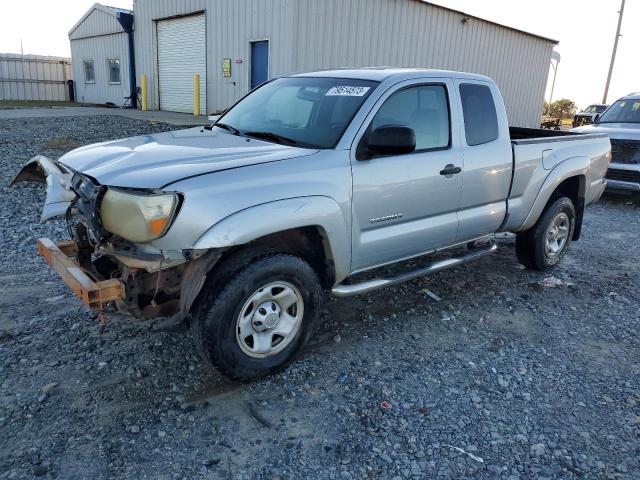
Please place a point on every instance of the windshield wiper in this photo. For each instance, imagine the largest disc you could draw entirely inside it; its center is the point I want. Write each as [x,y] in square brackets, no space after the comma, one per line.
[229,128]
[271,136]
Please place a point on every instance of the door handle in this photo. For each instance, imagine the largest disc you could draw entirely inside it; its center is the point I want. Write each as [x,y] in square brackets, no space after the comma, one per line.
[450,170]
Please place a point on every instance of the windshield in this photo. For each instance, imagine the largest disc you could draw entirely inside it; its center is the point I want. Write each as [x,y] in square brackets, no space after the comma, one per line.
[623,111]
[595,109]
[301,111]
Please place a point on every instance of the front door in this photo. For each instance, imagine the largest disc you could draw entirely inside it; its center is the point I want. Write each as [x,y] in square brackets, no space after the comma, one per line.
[402,204]
[259,63]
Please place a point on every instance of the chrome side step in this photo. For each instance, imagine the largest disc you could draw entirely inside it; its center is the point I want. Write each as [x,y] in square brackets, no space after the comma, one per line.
[342,290]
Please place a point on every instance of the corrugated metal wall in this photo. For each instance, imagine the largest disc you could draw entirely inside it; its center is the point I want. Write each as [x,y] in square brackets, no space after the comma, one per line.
[100,49]
[415,34]
[231,25]
[34,77]
[96,23]
[316,34]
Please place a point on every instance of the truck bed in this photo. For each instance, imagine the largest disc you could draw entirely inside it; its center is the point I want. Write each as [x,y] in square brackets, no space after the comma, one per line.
[537,153]
[520,133]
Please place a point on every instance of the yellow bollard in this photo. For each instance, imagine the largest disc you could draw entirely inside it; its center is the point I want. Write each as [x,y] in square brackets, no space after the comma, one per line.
[143,92]
[196,94]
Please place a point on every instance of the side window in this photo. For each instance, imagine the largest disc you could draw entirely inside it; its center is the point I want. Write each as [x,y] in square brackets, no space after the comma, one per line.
[425,109]
[480,117]
[89,75]
[114,71]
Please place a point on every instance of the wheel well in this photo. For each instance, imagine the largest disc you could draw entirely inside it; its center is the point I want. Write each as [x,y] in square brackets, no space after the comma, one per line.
[309,243]
[573,188]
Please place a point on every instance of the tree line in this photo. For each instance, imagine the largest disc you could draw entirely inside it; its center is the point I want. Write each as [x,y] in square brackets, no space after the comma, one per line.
[563,108]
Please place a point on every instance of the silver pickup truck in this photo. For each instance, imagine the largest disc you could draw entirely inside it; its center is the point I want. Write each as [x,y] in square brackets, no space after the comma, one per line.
[307,182]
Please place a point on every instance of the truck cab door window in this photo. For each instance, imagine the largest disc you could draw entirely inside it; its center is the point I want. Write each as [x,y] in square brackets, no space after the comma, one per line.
[424,109]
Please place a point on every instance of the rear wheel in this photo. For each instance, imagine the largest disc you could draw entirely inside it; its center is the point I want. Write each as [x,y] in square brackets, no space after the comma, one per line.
[256,322]
[545,244]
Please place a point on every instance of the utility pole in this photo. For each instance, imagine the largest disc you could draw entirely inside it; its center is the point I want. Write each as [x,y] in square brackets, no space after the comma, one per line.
[613,54]
[554,56]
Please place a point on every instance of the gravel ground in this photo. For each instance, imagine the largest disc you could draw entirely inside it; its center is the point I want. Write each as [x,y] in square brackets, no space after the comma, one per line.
[502,378]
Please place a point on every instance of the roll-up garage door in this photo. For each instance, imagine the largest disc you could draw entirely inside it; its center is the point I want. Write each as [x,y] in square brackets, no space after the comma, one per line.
[182,53]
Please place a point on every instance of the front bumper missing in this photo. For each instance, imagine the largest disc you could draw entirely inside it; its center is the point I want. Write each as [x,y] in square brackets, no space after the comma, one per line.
[93,294]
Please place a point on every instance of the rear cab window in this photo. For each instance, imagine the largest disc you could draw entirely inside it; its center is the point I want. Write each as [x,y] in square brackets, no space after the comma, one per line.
[479,111]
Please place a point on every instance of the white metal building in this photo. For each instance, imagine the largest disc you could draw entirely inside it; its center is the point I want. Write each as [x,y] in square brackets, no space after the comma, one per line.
[236,43]
[101,55]
[34,77]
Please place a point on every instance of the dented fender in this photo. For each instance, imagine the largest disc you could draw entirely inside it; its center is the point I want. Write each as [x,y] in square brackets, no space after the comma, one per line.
[272,217]
[58,179]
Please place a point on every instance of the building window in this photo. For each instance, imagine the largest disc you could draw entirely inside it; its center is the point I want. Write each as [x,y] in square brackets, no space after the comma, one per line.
[480,117]
[114,71]
[89,74]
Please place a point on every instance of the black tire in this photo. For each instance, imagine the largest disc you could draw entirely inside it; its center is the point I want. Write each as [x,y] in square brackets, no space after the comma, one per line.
[530,244]
[214,321]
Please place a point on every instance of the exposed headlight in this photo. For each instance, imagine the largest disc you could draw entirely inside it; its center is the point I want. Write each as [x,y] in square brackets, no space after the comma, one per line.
[137,217]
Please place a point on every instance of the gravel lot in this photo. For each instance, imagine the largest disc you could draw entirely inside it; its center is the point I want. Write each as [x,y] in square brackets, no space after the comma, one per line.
[503,378]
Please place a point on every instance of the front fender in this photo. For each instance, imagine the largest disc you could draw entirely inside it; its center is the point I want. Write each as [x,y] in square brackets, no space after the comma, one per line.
[255,222]
[58,180]
[571,167]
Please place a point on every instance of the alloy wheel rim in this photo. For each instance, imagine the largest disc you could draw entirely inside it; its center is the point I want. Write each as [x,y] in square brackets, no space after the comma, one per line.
[270,319]
[557,235]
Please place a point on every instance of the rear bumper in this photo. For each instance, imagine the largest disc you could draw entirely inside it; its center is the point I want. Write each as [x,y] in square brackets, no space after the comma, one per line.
[94,294]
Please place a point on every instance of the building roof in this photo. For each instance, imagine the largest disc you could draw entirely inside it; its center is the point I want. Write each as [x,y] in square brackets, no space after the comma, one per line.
[113,11]
[556,42]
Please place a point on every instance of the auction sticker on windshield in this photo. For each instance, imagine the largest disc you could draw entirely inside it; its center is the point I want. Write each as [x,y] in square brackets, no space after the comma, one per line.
[347,91]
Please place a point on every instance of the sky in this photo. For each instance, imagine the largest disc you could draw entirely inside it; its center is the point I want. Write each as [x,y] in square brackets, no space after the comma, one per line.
[585,29]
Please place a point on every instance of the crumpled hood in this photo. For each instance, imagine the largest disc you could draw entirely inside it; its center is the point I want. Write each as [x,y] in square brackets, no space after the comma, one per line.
[153,161]
[621,131]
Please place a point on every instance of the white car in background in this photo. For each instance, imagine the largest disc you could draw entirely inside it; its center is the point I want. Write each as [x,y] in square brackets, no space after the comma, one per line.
[621,121]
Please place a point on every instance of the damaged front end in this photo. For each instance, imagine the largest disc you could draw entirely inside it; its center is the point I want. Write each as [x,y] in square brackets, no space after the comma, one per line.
[58,179]
[105,269]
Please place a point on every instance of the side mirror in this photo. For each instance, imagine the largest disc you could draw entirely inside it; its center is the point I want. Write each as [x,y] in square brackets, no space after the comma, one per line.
[595,118]
[391,140]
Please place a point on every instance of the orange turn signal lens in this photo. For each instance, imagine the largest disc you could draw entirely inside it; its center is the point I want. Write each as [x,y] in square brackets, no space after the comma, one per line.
[157,226]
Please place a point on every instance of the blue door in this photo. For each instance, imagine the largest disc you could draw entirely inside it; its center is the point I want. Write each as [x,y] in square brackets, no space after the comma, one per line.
[259,63]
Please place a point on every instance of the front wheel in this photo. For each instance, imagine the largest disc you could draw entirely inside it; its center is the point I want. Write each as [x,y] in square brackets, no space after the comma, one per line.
[260,319]
[543,245]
